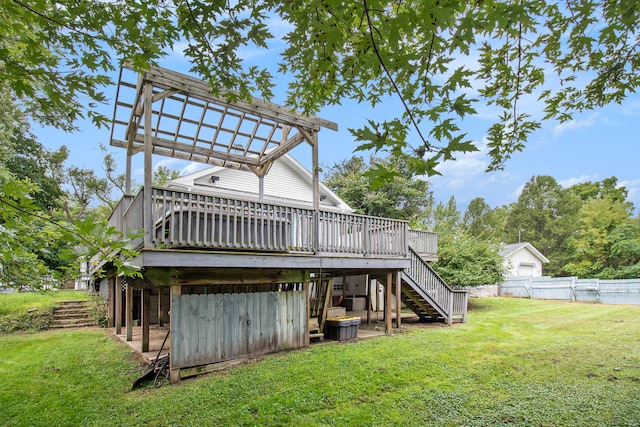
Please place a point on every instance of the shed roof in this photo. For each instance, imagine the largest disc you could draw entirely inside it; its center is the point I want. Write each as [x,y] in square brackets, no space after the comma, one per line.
[509,249]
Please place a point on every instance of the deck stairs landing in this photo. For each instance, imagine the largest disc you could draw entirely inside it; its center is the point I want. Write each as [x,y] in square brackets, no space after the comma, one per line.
[71,314]
[427,295]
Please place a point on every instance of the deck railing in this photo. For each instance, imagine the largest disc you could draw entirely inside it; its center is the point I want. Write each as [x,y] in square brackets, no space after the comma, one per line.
[424,242]
[195,220]
[449,302]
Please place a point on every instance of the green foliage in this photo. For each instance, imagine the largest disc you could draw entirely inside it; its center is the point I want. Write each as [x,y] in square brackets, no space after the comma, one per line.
[429,55]
[465,260]
[534,362]
[396,196]
[545,216]
[606,243]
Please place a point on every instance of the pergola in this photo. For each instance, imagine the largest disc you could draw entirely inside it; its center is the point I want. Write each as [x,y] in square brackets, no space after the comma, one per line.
[167,113]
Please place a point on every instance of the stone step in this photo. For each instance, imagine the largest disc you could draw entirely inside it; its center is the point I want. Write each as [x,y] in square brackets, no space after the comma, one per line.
[71,314]
[70,323]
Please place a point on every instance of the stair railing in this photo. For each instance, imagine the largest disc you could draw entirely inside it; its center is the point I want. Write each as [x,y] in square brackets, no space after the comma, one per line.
[448,301]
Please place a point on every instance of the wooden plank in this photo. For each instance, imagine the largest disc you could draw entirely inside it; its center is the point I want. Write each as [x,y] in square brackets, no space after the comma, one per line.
[174,325]
[203,329]
[243,327]
[223,276]
[218,327]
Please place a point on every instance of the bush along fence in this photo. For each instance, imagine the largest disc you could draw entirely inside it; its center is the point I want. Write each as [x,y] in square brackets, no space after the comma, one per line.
[626,291]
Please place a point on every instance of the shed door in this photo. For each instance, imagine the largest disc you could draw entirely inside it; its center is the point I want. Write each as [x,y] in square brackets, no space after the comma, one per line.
[526,269]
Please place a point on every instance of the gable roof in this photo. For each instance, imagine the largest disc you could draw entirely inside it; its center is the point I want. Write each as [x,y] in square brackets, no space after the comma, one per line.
[288,181]
[508,250]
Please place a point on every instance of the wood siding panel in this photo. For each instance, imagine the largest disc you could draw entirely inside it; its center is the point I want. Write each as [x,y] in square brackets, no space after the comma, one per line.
[219,327]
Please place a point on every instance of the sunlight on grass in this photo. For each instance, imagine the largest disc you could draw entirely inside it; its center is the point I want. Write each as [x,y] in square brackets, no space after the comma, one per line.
[516,362]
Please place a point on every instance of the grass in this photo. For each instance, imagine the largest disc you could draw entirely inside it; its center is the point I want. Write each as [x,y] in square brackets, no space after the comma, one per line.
[515,363]
[31,311]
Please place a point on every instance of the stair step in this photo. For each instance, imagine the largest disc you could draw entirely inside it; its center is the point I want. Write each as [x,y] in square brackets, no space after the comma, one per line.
[319,336]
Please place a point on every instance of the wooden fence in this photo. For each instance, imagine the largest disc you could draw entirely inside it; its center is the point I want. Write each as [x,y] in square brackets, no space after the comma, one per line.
[213,328]
[625,291]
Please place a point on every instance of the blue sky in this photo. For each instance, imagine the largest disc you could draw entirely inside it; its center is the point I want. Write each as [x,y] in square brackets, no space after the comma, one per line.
[595,145]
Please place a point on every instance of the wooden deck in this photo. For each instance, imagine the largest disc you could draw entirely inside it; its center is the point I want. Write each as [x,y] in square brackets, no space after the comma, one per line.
[190,230]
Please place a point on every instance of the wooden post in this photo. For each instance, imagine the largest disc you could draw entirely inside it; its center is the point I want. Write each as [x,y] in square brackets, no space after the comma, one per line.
[111,303]
[117,294]
[146,311]
[160,306]
[387,302]
[316,191]
[148,167]
[368,281]
[261,188]
[398,299]
[308,309]
[174,373]
[127,182]
[129,309]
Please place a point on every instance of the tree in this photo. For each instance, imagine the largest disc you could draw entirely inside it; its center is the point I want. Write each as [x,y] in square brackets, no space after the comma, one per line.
[570,55]
[606,243]
[544,216]
[480,220]
[403,197]
[465,260]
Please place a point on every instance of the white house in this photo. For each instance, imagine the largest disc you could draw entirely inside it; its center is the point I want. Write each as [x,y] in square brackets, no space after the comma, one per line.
[522,259]
[287,182]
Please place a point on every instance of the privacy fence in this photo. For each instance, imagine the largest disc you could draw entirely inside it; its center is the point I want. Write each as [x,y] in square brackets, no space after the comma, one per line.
[625,291]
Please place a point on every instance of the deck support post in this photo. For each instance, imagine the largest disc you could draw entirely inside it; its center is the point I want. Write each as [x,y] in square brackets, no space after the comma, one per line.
[387,302]
[368,282]
[306,286]
[174,373]
[398,299]
[117,295]
[146,311]
[129,309]
[111,318]
[160,306]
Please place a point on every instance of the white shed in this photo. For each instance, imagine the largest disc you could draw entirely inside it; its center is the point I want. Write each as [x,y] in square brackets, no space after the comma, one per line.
[522,259]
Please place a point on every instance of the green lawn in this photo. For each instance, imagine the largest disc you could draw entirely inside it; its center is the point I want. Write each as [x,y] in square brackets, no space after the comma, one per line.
[515,363]
[32,310]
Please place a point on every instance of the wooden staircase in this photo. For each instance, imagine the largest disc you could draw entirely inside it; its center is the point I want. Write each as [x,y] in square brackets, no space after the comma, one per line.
[319,296]
[427,295]
[71,314]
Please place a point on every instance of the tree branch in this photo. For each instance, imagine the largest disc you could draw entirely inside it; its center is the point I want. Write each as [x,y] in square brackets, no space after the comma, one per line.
[390,77]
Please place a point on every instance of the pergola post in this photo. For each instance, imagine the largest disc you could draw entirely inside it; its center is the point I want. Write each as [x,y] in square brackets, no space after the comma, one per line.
[316,191]
[148,166]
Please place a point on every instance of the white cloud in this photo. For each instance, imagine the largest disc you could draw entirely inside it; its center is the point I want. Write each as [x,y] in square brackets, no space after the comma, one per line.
[192,167]
[575,124]
[566,183]
[631,108]
[633,188]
